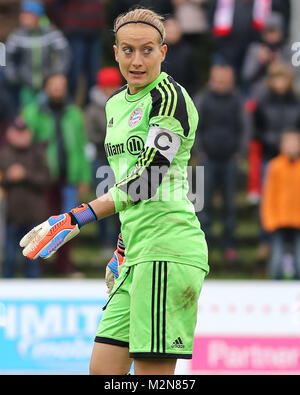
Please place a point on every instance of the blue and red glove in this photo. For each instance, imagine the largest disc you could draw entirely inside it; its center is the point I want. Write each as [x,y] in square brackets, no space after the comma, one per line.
[113,266]
[45,239]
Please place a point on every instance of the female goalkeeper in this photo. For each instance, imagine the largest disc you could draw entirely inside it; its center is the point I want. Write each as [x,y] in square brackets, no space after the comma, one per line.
[151,313]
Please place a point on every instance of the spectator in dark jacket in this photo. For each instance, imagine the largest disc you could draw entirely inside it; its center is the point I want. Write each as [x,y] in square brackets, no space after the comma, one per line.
[192,19]
[117,7]
[220,134]
[24,176]
[82,23]
[33,51]
[9,17]
[261,54]
[6,116]
[6,111]
[183,71]
[278,109]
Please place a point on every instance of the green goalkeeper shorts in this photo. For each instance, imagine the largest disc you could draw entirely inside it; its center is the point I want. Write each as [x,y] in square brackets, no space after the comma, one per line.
[152,310]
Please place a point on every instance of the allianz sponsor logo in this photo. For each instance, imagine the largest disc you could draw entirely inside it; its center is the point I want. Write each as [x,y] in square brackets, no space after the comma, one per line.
[50,330]
[114,149]
[134,146]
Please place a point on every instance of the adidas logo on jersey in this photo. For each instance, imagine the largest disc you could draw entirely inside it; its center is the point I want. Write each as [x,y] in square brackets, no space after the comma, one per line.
[178,343]
[111,123]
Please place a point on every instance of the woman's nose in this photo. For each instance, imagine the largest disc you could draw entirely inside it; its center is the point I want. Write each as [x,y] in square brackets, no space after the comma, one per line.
[137,59]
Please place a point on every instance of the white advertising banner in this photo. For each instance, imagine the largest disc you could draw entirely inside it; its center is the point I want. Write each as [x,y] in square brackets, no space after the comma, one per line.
[243,327]
[247,327]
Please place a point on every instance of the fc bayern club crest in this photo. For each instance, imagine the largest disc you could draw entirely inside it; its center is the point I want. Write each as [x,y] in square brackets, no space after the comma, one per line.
[135,117]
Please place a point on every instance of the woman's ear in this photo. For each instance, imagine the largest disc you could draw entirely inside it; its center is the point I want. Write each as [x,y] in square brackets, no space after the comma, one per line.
[163,49]
[116,51]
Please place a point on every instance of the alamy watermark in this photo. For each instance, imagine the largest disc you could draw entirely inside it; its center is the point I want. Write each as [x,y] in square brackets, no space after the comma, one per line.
[296,55]
[2,55]
[158,183]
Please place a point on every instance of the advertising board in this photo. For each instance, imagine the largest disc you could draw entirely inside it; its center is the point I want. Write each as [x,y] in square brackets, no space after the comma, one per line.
[243,327]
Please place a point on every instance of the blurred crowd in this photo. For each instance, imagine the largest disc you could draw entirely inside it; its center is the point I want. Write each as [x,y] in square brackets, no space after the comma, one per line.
[235,61]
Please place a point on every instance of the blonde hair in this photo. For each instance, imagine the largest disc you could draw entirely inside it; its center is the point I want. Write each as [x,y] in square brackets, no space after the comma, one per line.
[141,15]
[277,69]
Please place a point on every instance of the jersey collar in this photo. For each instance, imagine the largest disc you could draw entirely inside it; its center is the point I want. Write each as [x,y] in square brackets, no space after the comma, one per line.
[147,89]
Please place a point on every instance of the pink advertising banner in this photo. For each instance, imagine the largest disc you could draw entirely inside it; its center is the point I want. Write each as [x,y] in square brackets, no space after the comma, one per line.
[240,354]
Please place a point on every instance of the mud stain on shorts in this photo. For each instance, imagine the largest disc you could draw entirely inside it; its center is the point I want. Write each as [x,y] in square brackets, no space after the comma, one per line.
[189,297]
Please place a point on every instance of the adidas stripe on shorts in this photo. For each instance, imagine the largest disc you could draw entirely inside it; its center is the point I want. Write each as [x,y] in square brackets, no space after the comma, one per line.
[152,310]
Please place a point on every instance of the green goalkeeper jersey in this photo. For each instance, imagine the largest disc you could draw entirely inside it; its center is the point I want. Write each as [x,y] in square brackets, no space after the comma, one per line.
[148,142]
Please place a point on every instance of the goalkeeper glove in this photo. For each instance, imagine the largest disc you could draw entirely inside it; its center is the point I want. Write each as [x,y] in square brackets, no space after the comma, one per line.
[113,266]
[45,239]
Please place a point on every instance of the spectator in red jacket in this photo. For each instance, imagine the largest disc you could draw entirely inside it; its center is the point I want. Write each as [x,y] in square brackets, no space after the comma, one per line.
[277,110]
[109,79]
